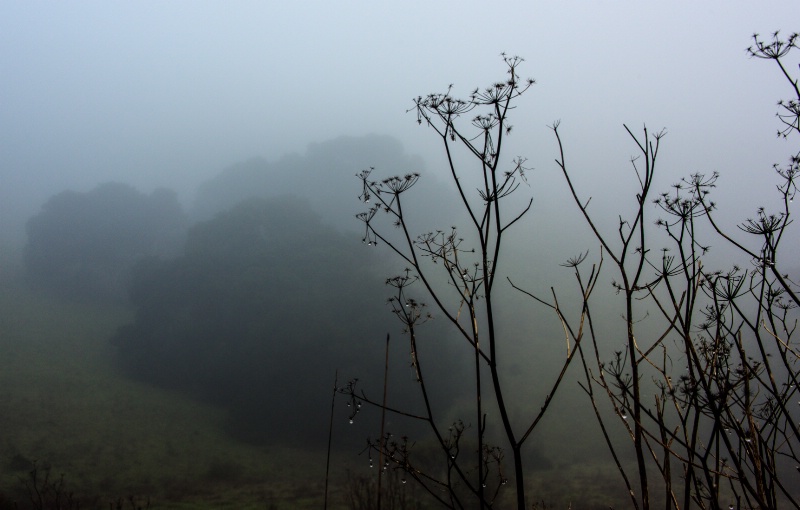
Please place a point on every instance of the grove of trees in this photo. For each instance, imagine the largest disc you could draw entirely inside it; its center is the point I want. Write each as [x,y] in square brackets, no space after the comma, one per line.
[256,315]
[252,308]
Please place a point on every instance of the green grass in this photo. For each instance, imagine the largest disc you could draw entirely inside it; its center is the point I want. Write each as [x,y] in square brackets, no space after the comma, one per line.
[63,404]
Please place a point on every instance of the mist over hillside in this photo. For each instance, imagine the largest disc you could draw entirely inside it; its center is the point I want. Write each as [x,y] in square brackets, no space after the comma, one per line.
[210,210]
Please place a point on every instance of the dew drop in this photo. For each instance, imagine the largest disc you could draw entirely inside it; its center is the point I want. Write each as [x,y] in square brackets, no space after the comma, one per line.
[403,481]
[351,421]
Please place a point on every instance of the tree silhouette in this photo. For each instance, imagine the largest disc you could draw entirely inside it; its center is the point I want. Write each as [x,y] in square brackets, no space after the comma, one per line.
[264,301]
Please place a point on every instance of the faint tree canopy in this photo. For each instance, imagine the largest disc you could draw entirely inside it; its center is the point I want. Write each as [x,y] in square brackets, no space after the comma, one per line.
[320,175]
[83,245]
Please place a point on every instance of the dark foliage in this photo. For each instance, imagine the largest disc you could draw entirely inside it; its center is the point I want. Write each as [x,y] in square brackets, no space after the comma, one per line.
[83,245]
[265,304]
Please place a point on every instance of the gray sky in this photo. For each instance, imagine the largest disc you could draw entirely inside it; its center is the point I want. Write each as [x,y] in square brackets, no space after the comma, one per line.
[169,93]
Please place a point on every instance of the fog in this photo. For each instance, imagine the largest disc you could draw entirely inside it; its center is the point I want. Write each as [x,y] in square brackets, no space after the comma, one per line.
[167,95]
[213,119]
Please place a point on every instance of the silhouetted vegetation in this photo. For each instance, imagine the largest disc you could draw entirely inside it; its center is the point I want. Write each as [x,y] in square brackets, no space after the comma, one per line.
[362,492]
[46,491]
[706,387]
[41,489]
[83,245]
[696,396]
[469,470]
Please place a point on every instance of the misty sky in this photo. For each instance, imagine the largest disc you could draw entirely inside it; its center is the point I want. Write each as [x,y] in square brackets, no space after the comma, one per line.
[169,93]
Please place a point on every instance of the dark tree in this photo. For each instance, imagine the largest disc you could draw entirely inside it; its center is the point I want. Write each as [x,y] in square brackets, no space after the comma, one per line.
[83,245]
[256,315]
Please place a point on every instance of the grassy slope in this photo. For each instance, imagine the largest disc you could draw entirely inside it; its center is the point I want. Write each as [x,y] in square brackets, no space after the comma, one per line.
[62,404]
